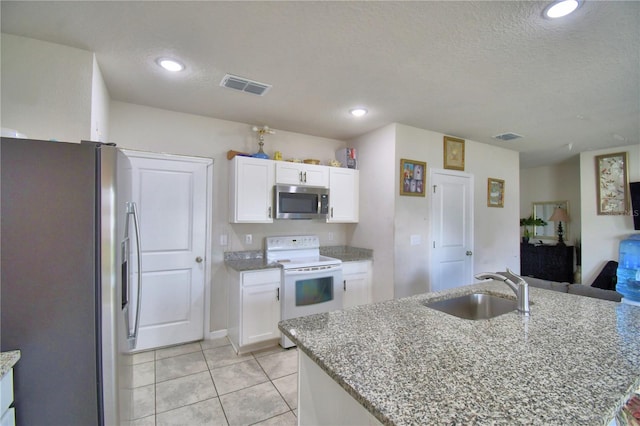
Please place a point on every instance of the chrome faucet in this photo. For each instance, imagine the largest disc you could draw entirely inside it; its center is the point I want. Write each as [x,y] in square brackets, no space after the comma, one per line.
[520,288]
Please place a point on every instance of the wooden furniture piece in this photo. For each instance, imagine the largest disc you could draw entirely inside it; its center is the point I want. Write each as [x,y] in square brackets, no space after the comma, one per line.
[548,262]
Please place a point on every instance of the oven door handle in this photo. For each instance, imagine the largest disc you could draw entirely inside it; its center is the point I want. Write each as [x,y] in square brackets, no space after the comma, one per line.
[295,272]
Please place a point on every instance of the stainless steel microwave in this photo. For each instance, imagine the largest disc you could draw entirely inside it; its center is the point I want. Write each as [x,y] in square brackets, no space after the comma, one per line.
[300,202]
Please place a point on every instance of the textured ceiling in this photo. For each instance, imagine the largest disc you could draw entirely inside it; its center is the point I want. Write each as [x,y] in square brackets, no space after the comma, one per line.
[471,69]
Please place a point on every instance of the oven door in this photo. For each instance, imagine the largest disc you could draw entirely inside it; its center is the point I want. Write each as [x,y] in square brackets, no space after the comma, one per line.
[308,291]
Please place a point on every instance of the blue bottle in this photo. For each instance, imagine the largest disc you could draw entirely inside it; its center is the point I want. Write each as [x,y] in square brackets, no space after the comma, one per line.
[628,272]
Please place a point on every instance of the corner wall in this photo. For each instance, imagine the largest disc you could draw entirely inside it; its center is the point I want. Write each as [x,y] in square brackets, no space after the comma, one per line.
[401,269]
[376,228]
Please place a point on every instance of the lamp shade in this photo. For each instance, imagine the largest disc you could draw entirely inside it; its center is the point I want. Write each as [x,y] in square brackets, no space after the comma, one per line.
[559,215]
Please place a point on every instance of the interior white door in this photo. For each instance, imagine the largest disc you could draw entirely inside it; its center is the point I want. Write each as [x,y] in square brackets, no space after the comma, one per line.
[171,194]
[452,229]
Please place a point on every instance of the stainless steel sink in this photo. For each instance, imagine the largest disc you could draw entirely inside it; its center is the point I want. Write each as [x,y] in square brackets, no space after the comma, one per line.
[475,306]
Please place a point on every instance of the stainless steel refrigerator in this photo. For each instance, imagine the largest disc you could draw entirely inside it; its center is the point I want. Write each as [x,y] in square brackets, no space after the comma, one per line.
[67,297]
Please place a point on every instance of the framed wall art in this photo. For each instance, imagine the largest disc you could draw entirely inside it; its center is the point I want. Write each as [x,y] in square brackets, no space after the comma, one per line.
[412,177]
[453,153]
[495,192]
[612,184]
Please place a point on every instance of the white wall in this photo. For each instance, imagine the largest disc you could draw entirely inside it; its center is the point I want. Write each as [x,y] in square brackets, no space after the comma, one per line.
[497,230]
[388,220]
[100,100]
[376,229]
[412,215]
[46,89]
[150,129]
[601,234]
[554,183]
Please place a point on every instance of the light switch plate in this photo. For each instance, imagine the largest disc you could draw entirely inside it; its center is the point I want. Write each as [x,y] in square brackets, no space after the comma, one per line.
[416,240]
[248,239]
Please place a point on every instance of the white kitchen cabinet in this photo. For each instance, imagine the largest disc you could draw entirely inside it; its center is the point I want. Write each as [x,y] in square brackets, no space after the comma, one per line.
[7,415]
[289,173]
[356,283]
[254,308]
[251,183]
[344,195]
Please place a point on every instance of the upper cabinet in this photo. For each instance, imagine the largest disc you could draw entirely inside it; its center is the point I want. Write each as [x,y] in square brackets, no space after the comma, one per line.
[344,195]
[251,183]
[301,174]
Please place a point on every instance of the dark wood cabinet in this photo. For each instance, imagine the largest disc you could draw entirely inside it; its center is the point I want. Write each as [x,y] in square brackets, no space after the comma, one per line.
[553,263]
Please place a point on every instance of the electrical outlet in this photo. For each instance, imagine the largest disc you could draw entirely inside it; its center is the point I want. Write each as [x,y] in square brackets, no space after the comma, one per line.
[248,239]
[330,236]
[224,239]
[416,240]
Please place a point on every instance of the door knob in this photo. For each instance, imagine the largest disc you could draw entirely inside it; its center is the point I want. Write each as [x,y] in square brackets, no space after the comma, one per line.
[199,259]
[469,253]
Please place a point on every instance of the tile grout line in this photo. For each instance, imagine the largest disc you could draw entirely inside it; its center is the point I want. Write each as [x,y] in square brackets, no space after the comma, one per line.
[201,350]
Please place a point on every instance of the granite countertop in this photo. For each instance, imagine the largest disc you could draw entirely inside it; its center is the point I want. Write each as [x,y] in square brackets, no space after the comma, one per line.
[7,361]
[253,260]
[347,253]
[573,361]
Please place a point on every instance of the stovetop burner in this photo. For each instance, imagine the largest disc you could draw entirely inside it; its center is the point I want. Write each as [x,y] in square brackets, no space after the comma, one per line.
[297,252]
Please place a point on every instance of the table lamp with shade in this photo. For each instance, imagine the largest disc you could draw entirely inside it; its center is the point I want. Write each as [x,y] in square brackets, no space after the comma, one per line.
[559,215]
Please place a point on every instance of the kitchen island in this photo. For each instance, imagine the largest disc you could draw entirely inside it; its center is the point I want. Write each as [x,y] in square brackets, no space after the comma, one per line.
[575,360]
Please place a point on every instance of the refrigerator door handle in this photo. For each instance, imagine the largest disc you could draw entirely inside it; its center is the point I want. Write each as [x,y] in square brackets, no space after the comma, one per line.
[132,337]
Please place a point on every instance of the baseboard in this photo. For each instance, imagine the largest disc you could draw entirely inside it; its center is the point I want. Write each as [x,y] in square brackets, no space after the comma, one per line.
[218,334]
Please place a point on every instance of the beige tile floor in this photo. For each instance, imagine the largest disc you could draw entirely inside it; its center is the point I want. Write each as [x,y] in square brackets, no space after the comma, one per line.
[207,383]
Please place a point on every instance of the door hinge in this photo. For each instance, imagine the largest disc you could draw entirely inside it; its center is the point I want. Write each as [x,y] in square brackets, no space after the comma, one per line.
[434,189]
[434,244]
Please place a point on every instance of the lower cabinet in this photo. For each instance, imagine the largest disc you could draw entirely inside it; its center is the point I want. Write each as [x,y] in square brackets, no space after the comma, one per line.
[357,283]
[547,262]
[254,308]
[7,416]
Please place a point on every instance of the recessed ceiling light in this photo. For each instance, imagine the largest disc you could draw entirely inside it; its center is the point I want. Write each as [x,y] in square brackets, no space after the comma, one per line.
[170,64]
[561,8]
[358,112]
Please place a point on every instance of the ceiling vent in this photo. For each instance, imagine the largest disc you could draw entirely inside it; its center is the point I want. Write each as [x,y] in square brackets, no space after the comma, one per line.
[507,136]
[244,85]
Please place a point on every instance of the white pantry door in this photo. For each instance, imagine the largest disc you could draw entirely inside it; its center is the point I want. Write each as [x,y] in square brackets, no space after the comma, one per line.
[452,229]
[171,193]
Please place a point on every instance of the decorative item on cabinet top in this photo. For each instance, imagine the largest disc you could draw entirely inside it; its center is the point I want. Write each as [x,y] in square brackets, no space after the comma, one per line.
[261,132]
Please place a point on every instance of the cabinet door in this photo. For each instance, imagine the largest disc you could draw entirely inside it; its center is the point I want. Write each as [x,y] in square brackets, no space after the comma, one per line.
[260,313]
[357,283]
[344,195]
[251,183]
[302,174]
[316,175]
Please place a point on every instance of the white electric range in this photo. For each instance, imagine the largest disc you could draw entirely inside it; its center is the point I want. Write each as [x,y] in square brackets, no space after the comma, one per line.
[311,283]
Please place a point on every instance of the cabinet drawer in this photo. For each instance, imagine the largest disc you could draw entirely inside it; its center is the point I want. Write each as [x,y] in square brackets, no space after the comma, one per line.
[261,277]
[6,391]
[355,267]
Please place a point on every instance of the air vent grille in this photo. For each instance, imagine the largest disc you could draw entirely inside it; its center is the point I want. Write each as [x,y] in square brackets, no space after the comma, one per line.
[507,136]
[244,85]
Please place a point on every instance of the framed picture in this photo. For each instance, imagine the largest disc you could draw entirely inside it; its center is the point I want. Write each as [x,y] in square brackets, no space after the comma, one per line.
[495,192]
[412,177]
[612,184]
[453,153]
